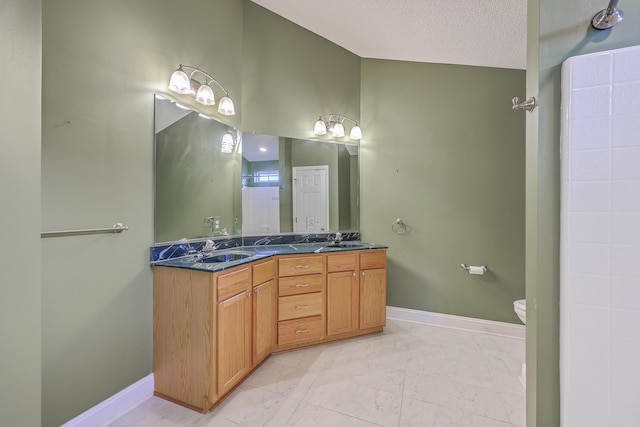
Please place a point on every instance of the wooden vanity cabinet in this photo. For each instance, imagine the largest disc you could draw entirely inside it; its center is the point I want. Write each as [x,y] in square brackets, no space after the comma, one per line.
[343,293]
[264,309]
[235,320]
[211,329]
[301,300]
[356,291]
[373,289]
[202,333]
[184,337]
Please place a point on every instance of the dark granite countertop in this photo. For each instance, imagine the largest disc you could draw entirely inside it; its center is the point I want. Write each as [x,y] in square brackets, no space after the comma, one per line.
[224,259]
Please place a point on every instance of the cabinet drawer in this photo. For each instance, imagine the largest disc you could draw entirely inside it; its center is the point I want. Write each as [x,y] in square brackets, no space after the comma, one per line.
[299,285]
[264,272]
[295,306]
[231,284]
[342,262]
[295,266]
[373,259]
[293,331]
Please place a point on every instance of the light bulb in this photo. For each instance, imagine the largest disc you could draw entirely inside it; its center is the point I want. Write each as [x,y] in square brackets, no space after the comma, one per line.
[205,95]
[225,106]
[356,132]
[180,82]
[338,130]
[320,128]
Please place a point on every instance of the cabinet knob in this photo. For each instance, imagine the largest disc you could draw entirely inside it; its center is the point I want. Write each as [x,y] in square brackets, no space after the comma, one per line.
[354,274]
[248,294]
[257,291]
[363,273]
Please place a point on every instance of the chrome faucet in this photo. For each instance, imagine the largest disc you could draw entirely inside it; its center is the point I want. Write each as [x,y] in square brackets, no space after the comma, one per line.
[338,237]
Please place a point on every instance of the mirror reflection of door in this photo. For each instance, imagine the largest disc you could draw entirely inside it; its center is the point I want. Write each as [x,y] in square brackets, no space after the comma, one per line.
[311,199]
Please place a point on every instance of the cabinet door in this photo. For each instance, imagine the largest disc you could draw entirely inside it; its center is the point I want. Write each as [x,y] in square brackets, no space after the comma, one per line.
[264,320]
[342,302]
[373,298]
[234,340]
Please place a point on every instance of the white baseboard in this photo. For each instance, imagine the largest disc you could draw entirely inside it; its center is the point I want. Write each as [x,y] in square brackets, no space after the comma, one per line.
[458,322]
[108,410]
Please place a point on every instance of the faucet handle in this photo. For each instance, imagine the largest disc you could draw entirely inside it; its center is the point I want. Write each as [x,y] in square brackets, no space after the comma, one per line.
[209,246]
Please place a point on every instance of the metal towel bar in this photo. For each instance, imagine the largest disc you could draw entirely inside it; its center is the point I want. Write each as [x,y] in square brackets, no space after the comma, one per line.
[118,227]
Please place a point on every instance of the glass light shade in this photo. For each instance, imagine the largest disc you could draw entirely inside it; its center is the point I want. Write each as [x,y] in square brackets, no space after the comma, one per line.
[356,132]
[320,128]
[205,95]
[226,106]
[180,82]
[338,130]
[227,143]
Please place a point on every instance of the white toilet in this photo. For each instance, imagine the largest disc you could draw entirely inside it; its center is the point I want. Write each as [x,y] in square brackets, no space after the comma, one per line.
[520,307]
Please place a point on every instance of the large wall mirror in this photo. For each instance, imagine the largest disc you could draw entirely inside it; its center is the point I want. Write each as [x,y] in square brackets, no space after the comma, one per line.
[264,185]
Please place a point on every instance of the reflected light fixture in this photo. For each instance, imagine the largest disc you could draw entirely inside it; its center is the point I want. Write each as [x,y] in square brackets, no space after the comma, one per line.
[203,93]
[334,123]
[228,143]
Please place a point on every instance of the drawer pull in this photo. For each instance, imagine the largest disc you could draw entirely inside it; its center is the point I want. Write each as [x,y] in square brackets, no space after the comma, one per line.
[301,307]
[302,266]
[302,331]
[302,285]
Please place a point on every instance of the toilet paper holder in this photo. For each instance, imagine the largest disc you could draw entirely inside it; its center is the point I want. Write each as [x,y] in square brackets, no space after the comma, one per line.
[468,267]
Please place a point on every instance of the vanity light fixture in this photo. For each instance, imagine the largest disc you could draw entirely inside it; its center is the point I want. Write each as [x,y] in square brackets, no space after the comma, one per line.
[203,93]
[334,123]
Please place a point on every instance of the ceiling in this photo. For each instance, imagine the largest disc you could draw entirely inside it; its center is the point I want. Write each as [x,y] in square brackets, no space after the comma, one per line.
[488,33]
[259,148]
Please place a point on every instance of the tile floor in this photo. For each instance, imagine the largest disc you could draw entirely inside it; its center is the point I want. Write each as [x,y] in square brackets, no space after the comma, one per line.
[409,375]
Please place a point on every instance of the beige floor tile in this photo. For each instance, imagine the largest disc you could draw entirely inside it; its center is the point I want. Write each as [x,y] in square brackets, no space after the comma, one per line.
[350,398]
[408,375]
[308,415]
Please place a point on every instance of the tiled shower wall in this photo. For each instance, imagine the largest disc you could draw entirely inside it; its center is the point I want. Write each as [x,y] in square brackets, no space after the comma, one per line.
[600,240]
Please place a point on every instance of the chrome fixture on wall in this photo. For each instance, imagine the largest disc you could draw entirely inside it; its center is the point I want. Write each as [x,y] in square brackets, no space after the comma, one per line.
[528,105]
[334,123]
[399,227]
[187,85]
[608,17]
[118,227]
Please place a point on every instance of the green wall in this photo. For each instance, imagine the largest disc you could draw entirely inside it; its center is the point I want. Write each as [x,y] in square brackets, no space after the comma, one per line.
[557,31]
[286,194]
[291,76]
[103,60]
[20,326]
[444,152]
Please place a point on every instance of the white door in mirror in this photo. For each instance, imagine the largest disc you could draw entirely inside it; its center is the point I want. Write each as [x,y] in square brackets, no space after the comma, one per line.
[310,199]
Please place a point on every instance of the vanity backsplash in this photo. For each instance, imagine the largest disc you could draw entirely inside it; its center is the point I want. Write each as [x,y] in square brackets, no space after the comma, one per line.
[184,247]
